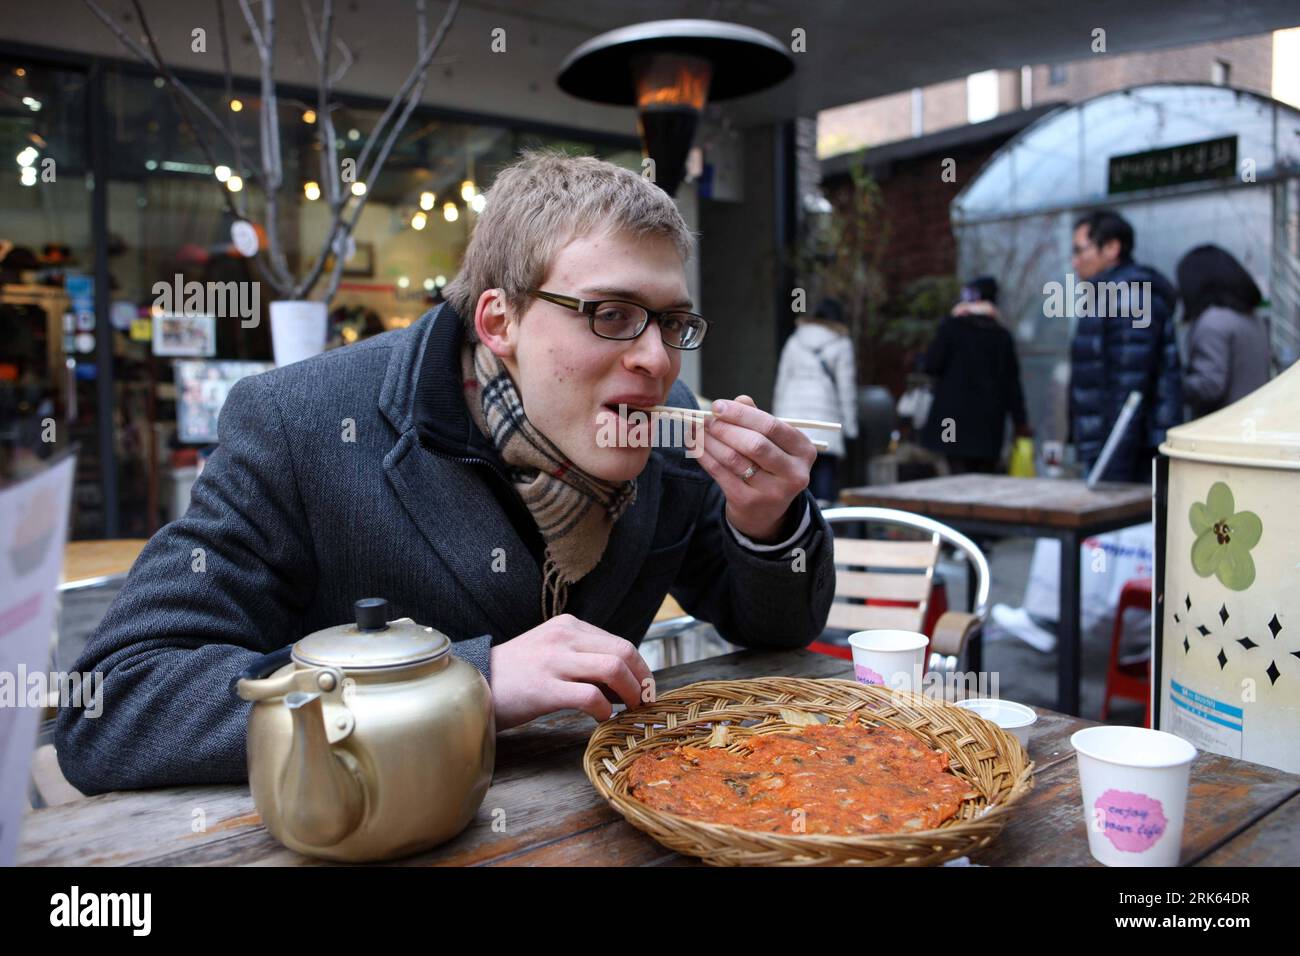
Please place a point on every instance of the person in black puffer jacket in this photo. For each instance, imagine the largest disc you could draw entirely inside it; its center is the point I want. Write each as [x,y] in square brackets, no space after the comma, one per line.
[1133,349]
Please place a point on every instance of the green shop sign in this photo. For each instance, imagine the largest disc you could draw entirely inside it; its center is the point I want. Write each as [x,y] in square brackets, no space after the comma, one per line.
[1189,163]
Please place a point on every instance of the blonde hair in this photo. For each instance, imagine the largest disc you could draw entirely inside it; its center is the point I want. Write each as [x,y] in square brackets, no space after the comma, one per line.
[540,203]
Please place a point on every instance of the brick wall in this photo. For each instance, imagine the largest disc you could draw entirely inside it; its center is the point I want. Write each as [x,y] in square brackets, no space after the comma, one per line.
[886,119]
[1250,60]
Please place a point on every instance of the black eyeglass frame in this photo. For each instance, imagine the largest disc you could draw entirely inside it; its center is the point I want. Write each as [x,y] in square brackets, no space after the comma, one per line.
[589,307]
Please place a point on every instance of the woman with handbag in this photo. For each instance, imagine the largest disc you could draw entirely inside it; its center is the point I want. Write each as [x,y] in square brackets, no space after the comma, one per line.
[816,379]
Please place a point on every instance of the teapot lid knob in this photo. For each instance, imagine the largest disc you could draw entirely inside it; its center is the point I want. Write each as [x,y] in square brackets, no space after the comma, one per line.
[372,614]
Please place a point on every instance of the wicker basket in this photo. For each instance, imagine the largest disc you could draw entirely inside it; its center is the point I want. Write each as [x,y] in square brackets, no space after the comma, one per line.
[725,713]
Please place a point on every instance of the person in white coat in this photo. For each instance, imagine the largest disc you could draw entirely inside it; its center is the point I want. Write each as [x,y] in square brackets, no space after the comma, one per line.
[817,378]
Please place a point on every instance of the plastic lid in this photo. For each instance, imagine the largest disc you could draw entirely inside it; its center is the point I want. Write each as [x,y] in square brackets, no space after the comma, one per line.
[1262,429]
[372,641]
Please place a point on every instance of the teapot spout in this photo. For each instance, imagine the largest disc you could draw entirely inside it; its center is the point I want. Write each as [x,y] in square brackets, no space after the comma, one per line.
[321,797]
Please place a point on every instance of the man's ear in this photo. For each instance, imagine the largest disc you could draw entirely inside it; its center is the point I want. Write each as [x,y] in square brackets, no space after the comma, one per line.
[1111,249]
[494,325]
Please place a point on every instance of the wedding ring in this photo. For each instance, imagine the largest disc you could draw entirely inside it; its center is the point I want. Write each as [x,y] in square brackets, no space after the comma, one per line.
[749,473]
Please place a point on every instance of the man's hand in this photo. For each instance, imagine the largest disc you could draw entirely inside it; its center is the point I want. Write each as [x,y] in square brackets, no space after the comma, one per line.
[566,663]
[743,435]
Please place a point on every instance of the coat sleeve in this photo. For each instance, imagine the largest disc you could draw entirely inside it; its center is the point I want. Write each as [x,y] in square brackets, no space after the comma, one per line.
[210,593]
[846,378]
[782,378]
[936,356]
[1015,393]
[1169,389]
[1208,360]
[756,599]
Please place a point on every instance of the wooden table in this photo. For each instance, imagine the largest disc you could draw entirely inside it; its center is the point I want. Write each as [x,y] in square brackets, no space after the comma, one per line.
[90,563]
[1068,511]
[1237,812]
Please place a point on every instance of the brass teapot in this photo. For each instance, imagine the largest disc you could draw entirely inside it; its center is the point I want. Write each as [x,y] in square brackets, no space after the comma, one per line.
[367,741]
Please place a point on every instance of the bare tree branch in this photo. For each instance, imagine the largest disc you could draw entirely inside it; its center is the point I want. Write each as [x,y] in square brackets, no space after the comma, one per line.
[311,34]
[414,88]
[380,143]
[348,60]
[145,57]
[269,123]
[233,132]
[416,75]
[188,119]
[329,141]
[262,50]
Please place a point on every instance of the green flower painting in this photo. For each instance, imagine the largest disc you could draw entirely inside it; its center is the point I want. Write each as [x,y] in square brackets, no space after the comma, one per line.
[1224,537]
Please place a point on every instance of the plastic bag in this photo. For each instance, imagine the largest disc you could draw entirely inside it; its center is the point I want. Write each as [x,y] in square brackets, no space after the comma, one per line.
[1022,459]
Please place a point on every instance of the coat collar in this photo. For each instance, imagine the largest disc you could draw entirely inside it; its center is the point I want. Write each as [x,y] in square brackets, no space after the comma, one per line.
[458,514]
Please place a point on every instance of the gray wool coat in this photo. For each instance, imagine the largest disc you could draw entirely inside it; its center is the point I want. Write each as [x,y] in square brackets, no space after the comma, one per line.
[290,523]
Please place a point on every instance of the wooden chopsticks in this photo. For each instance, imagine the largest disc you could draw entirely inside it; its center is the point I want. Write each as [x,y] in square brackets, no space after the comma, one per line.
[699,415]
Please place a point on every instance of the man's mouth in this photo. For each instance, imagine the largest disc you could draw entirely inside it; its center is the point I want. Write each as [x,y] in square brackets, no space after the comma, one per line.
[624,404]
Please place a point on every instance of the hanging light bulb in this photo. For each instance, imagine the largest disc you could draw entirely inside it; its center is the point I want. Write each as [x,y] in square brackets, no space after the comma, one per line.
[478,202]
[429,285]
[419,221]
[28,176]
[427,200]
[311,189]
[403,282]
[358,188]
[235,183]
[467,190]
[236,105]
[222,173]
[309,116]
[27,156]
[450,212]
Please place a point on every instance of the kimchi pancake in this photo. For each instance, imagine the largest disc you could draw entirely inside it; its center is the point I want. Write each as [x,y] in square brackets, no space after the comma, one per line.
[828,779]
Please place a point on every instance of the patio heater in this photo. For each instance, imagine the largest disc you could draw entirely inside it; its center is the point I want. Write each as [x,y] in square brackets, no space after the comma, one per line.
[669,69]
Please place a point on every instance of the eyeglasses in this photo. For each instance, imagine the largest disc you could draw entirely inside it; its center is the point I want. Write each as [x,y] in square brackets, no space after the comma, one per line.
[620,320]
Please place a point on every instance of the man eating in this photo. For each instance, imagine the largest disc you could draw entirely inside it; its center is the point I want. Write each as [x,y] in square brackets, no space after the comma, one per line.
[454,467]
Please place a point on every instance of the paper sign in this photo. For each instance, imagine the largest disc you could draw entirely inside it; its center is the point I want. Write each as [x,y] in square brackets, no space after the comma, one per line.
[33,529]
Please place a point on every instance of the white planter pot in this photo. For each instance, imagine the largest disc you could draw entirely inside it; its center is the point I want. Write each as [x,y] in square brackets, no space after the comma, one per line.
[299,330]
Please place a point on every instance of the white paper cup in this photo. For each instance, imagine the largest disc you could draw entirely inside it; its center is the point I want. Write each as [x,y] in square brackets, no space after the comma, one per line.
[1016,719]
[895,659]
[1134,784]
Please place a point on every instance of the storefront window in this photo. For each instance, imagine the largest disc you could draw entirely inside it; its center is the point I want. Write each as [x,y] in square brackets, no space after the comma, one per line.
[47,342]
[171,206]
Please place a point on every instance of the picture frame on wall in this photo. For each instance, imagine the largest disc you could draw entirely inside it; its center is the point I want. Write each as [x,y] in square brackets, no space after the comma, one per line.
[180,336]
[359,265]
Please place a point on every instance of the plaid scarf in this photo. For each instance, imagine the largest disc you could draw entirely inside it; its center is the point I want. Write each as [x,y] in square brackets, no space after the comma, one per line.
[574,511]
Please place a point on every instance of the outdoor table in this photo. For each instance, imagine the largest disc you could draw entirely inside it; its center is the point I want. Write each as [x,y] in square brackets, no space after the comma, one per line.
[1237,812]
[92,563]
[1067,510]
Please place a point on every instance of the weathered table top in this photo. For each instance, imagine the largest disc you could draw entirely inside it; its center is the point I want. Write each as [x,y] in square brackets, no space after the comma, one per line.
[1047,502]
[93,562]
[1237,812]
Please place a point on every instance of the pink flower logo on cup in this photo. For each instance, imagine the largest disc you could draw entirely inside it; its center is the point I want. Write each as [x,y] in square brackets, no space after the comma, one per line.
[1133,822]
[866,675]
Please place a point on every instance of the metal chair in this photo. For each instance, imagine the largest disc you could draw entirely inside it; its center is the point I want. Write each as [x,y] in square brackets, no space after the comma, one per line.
[900,575]
[670,623]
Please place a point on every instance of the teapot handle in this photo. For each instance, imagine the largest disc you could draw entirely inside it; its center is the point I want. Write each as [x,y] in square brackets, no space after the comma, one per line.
[262,667]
